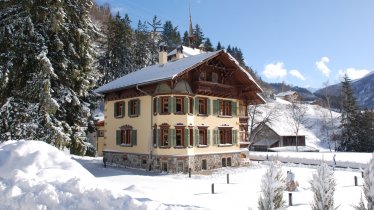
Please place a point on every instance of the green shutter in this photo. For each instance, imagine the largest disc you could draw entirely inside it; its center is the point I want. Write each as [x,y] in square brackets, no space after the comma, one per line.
[208,106]
[129,108]
[115,109]
[185,103]
[197,139]
[215,107]
[208,137]
[186,139]
[158,137]
[134,138]
[138,108]
[234,108]
[197,111]
[215,137]
[118,137]
[218,137]
[171,137]
[170,104]
[234,136]
[158,104]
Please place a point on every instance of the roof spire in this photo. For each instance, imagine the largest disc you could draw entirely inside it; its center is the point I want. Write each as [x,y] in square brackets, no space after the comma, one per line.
[191,36]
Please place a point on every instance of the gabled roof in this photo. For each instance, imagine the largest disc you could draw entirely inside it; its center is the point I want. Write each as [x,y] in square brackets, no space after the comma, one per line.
[287,93]
[167,71]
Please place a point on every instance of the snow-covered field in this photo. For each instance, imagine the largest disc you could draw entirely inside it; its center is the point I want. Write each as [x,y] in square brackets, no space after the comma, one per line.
[35,175]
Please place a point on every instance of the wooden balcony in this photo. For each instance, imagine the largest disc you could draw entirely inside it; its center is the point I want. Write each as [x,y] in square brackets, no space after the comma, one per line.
[243,119]
[213,89]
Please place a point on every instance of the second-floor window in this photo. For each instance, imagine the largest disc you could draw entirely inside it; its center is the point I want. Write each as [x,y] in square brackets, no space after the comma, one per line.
[165,109]
[134,108]
[203,136]
[119,109]
[179,105]
[224,107]
[202,106]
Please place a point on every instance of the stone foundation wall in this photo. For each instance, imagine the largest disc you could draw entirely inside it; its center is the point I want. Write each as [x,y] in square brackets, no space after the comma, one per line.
[173,164]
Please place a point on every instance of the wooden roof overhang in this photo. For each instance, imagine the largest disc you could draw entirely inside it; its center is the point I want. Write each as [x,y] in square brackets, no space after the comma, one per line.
[244,87]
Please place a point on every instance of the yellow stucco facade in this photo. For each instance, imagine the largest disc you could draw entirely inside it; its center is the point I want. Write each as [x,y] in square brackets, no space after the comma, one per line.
[144,124]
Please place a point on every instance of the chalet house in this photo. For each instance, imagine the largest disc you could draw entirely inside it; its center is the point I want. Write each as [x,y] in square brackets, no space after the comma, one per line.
[291,96]
[180,114]
[277,135]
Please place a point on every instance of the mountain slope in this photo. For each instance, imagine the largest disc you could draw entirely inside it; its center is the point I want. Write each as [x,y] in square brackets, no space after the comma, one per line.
[363,89]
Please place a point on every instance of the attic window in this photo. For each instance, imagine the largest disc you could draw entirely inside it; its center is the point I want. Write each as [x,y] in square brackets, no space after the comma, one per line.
[202,76]
[214,77]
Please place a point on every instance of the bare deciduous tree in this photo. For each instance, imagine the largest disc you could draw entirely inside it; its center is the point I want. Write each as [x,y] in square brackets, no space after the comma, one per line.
[298,118]
[259,116]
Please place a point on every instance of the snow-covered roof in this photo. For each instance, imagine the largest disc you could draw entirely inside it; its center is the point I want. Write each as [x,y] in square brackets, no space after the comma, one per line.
[156,72]
[187,51]
[167,71]
[287,93]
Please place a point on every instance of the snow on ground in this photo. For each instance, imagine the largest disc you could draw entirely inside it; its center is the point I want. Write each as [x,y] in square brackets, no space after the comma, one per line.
[35,175]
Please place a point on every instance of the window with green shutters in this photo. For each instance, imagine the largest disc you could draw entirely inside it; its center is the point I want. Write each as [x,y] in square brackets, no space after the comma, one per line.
[216,137]
[126,137]
[119,109]
[180,104]
[202,136]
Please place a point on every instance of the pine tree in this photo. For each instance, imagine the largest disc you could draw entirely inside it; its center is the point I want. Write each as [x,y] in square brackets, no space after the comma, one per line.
[273,185]
[154,39]
[323,186]
[198,36]
[219,47]
[46,72]
[171,36]
[348,116]
[141,49]
[185,40]
[368,187]
[208,45]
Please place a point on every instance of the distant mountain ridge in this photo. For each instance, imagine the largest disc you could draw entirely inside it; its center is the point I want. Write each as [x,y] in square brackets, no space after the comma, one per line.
[363,89]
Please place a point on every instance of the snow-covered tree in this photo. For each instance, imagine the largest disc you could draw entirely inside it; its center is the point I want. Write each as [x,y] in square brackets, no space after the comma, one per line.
[273,185]
[323,186]
[368,187]
[45,72]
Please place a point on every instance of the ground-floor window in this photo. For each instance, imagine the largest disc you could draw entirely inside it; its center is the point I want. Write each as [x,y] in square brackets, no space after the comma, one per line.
[204,165]
[224,164]
[180,166]
[164,166]
[229,161]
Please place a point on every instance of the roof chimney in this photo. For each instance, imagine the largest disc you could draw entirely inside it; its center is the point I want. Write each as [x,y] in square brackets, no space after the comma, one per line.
[202,47]
[179,54]
[162,54]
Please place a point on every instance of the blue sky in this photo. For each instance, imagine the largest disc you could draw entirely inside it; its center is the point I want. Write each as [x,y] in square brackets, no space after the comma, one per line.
[300,42]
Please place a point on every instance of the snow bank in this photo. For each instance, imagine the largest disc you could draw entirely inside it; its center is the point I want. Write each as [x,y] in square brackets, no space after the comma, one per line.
[343,159]
[35,175]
